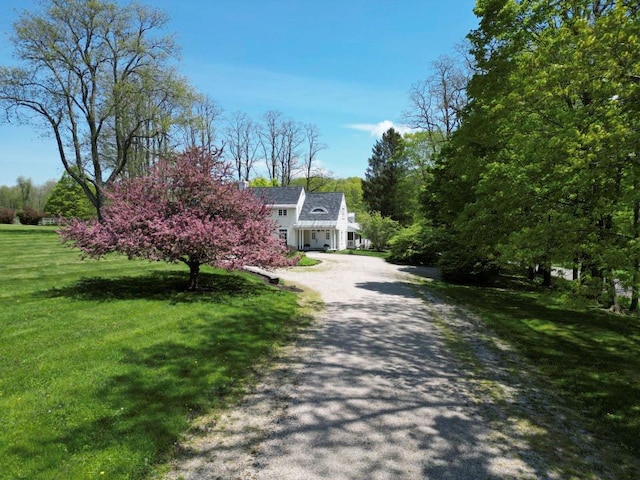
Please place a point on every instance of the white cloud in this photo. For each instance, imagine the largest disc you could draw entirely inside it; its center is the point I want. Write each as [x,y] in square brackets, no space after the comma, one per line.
[377,129]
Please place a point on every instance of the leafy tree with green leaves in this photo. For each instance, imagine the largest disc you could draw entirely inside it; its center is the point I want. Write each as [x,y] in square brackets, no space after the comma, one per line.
[352,189]
[543,168]
[264,182]
[67,200]
[417,244]
[97,76]
[378,229]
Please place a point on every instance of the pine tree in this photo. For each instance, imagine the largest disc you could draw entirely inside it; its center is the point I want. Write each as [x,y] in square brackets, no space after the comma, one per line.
[387,174]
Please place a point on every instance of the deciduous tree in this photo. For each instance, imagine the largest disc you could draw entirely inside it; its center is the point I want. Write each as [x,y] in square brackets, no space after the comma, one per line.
[378,229]
[185,210]
[242,143]
[96,75]
[67,200]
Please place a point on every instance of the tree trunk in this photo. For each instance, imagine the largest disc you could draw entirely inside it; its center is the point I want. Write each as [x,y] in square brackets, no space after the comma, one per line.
[531,273]
[612,300]
[636,264]
[194,275]
[546,277]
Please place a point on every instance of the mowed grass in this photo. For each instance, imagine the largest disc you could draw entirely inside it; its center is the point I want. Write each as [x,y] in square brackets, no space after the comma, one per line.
[589,356]
[104,363]
[363,253]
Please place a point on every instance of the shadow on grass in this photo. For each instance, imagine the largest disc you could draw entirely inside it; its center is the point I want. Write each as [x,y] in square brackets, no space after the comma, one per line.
[592,357]
[167,286]
[148,404]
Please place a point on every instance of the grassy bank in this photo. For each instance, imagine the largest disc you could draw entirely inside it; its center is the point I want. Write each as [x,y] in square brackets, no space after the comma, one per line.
[589,356]
[105,362]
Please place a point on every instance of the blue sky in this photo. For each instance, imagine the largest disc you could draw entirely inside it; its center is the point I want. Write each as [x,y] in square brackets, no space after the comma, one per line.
[343,65]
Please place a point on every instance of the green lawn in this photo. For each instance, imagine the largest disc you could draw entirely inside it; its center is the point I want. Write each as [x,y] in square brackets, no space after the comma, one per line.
[364,253]
[104,363]
[589,356]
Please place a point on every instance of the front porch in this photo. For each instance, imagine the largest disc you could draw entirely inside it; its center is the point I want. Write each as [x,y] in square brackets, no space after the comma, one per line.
[317,239]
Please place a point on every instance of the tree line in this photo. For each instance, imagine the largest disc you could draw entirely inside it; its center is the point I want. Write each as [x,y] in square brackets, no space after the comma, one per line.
[531,146]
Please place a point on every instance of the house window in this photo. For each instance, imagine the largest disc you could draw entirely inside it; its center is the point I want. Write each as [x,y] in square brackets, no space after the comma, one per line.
[282,234]
[328,235]
[319,210]
[313,235]
[282,212]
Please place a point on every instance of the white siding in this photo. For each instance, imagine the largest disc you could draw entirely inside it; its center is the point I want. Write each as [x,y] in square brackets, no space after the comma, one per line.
[343,223]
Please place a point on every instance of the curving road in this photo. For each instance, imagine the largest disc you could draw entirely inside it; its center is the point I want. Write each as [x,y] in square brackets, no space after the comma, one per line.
[373,393]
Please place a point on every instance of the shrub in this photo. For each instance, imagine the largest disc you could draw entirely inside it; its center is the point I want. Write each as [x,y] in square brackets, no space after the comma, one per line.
[415,245]
[378,229]
[7,215]
[30,216]
[460,264]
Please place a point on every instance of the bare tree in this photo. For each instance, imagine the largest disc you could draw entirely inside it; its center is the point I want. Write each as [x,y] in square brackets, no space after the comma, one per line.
[271,142]
[292,138]
[280,141]
[199,129]
[313,147]
[242,143]
[437,102]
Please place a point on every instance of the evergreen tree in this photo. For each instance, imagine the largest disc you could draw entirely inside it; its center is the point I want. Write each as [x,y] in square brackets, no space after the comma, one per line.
[383,189]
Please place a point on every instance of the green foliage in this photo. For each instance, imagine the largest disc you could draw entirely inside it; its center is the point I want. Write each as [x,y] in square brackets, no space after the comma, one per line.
[589,357]
[378,229]
[385,188]
[418,244]
[542,169]
[352,189]
[30,216]
[264,182]
[68,200]
[461,264]
[361,253]
[10,197]
[25,193]
[7,215]
[305,261]
[106,92]
[105,363]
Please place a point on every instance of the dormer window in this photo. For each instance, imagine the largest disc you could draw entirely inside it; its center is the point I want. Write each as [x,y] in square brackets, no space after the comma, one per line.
[319,210]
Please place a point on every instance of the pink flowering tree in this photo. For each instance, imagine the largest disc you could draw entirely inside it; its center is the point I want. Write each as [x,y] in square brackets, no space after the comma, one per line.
[186,210]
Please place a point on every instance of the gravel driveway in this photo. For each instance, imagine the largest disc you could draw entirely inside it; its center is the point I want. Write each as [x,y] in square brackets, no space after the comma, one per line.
[373,392]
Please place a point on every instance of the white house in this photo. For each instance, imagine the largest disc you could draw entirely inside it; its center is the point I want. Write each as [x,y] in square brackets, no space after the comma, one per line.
[311,221]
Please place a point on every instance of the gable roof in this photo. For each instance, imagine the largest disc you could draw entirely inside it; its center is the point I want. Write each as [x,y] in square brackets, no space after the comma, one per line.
[278,195]
[328,202]
[327,210]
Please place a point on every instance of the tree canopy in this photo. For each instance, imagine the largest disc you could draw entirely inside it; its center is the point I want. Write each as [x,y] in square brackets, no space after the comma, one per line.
[384,187]
[96,75]
[67,200]
[186,210]
[542,167]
